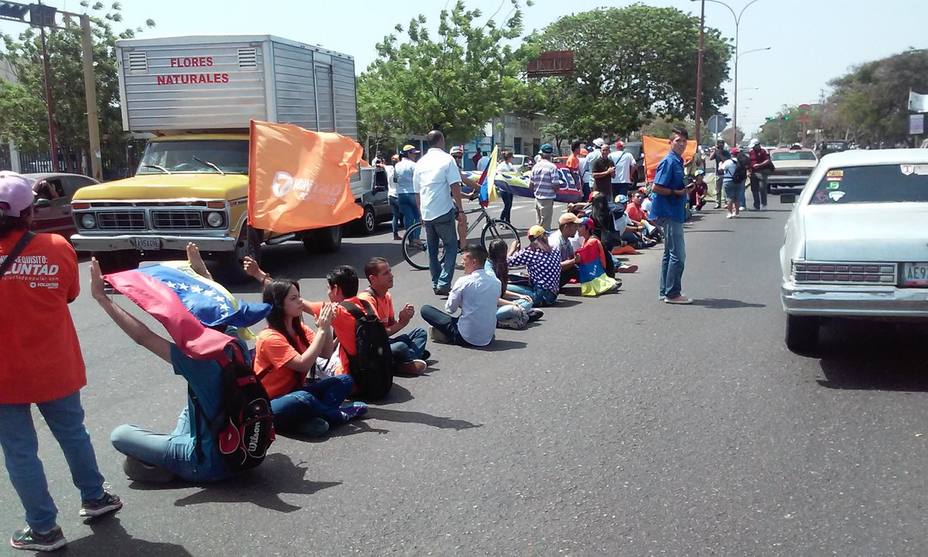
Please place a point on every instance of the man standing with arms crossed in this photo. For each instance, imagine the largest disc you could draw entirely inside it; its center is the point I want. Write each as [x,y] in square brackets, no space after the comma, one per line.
[669,211]
[438,181]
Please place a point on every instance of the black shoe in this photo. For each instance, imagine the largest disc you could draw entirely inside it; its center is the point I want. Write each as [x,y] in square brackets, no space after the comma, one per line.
[107,504]
[441,291]
[535,315]
[31,540]
[139,471]
[426,355]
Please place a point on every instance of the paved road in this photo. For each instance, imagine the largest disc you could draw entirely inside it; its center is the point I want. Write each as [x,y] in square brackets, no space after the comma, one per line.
[614,426]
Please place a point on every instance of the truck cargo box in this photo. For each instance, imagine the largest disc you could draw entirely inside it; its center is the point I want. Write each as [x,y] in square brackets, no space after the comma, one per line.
[221,82]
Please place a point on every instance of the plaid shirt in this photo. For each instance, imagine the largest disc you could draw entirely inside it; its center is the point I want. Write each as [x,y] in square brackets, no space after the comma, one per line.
[545,180]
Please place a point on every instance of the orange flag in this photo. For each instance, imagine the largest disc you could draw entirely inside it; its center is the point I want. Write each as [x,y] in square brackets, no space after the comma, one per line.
[298,179]
[656,148]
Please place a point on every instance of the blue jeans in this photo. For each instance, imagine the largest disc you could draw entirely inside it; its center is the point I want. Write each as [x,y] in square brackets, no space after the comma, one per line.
[507,205]
[674,257]
[742,198]
[409,346]
[395,209]
[410,211]
[445,323]
[504,313]
[541,297]
[65,419]
[443,228]
[319,399]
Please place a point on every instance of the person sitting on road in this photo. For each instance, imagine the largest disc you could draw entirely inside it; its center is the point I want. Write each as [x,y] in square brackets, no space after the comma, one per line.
[286,352]
[544,268]
[409,353]
[475,294]
[515,311]
[592,258]
[699,191]
[638,216]
[567,242]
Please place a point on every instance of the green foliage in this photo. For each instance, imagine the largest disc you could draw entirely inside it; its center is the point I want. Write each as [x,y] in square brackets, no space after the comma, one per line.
[28,127]
[633,64]
[455,81]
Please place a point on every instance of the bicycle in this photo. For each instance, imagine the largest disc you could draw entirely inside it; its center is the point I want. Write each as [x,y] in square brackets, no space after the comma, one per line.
[415,247]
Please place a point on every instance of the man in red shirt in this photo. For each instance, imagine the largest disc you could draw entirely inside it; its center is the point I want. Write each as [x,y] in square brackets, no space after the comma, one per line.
[41,365]
[760,169]
[409,353]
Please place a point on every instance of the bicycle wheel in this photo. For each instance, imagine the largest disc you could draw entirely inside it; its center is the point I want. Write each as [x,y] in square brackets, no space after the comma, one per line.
[415,249]
[499,230]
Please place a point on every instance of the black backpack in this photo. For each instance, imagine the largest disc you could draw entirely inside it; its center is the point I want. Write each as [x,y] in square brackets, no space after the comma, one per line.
[244,427]
[741,168]
[372,366]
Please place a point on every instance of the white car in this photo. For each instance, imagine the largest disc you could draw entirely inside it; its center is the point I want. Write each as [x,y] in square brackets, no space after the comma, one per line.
[856,243]
[792,168]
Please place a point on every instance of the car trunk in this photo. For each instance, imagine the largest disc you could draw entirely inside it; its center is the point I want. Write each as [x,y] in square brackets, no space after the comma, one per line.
[866,232]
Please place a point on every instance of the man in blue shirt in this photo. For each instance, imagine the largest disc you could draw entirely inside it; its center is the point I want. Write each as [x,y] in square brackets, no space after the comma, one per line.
[669,210]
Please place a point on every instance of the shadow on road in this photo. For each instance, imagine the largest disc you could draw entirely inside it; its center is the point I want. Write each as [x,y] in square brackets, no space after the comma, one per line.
[709,230]
[110,535]
[399,394]
[868,356]
[499,345]
[724,303]
[261,486]
[402,416]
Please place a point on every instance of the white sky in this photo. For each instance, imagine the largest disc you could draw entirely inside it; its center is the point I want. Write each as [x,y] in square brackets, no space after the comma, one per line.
[812,40]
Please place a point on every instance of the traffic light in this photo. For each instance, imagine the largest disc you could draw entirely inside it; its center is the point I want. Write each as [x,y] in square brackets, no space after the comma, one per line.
[786,117]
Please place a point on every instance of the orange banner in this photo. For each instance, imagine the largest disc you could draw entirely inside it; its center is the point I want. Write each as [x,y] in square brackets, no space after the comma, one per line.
[656,148]
[298,179]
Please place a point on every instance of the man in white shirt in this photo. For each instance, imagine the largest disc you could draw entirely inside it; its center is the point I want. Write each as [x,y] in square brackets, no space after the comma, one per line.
[587,175]
[623,179]
[438,182]
[476,295]
[406,195]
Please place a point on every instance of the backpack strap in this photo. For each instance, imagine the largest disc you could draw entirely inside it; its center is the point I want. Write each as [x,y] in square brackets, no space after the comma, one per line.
[17,249]
[356,312]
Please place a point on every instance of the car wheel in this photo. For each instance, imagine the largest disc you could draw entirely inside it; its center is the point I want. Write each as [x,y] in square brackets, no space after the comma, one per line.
[802,333]
[323,240]
[367,224]
[116,261]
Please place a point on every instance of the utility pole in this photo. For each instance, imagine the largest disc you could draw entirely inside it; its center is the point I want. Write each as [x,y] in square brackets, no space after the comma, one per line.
[702,26]
[49,103]
[90,98]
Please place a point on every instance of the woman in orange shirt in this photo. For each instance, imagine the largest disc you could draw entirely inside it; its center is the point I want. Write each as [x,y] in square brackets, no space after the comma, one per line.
[286,352]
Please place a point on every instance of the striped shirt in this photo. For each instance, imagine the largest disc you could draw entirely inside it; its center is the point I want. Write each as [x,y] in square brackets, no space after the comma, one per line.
[545,180]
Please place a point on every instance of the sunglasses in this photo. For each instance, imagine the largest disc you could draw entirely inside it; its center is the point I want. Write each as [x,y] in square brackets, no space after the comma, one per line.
[457,156]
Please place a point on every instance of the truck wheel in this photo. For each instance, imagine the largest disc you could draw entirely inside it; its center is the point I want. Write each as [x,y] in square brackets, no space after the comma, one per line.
[230,262]
[802,333]
[323,240]
[367,224]
[116,261]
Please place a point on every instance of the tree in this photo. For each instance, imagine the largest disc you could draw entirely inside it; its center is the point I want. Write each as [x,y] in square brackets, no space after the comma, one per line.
[556,130]
[64,49]
[662,127]
[633,64]
[730,137]
[455,82]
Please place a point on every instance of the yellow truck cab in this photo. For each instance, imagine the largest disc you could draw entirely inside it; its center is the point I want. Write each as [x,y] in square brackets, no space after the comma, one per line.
[196,96]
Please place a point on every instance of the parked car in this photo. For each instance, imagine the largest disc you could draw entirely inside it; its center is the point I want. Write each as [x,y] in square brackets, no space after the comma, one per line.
[856,243]
[792,168]
[522,162]
[53,201]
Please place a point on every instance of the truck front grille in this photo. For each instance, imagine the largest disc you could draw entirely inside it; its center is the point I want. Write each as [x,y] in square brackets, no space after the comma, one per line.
[177,220]
[121,220]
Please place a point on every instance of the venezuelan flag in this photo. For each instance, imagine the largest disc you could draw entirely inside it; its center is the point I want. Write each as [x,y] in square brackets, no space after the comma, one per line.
[487,180]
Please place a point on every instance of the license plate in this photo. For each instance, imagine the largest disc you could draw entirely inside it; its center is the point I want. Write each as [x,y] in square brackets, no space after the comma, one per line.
[915,274]
[147,244]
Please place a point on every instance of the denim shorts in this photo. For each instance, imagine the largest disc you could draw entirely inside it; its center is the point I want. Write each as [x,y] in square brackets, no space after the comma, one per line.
[733,190]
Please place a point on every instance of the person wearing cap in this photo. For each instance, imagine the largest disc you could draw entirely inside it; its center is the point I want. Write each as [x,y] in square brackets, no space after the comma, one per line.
[42,365]
[407,197]
[733,189]
[700,188]
[437,180]
[591,263]
[544,267]
[545,183]
[625,168]
[594,153]
[476,295]
[760,169]
[566,240]
[669,208]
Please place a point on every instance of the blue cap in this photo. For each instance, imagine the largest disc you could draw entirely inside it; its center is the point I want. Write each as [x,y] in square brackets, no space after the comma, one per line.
[547,149]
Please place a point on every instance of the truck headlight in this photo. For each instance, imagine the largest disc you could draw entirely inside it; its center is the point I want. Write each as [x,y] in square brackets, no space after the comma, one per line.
[88,221]
[215,219]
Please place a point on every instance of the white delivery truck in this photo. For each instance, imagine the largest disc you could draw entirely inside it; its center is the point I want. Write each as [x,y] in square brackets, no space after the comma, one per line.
[196,96]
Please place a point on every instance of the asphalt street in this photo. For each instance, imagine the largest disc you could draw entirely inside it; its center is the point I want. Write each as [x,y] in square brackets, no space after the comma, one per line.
[614,426]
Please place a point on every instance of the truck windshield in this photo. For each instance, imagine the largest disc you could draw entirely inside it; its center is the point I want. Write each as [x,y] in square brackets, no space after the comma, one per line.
[191,157]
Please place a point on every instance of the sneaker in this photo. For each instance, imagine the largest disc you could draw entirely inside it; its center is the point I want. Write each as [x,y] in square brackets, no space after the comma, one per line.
[741,209]
[313,427]
[513,324]
[426,355]
[763,207]
[33,541]
[627,269]
[535,315]
[414,367]
[99,507]
[354,410]
[438,336]
[679,300]
[441,291]
[139,471]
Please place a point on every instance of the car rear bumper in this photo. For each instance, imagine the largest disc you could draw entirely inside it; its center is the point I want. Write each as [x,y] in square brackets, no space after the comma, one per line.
[83,242]
[775,181]
[888,302]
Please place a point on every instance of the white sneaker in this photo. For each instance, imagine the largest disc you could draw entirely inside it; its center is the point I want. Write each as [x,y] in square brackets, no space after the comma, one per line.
[741,209]
[729,215]
[763,207]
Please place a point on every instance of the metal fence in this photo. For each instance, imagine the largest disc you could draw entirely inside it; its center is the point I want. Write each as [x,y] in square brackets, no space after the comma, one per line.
[117,163]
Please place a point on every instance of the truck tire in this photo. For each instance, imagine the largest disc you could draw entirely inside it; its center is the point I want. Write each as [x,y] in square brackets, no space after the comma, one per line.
[116,261]
[802,333]
[367,224]
[323,240]
[229,264]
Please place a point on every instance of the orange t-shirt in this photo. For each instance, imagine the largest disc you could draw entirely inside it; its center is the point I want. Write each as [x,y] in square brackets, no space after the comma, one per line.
[573,163]
[272,352]
[344,326]
[41,354]
[383,305]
